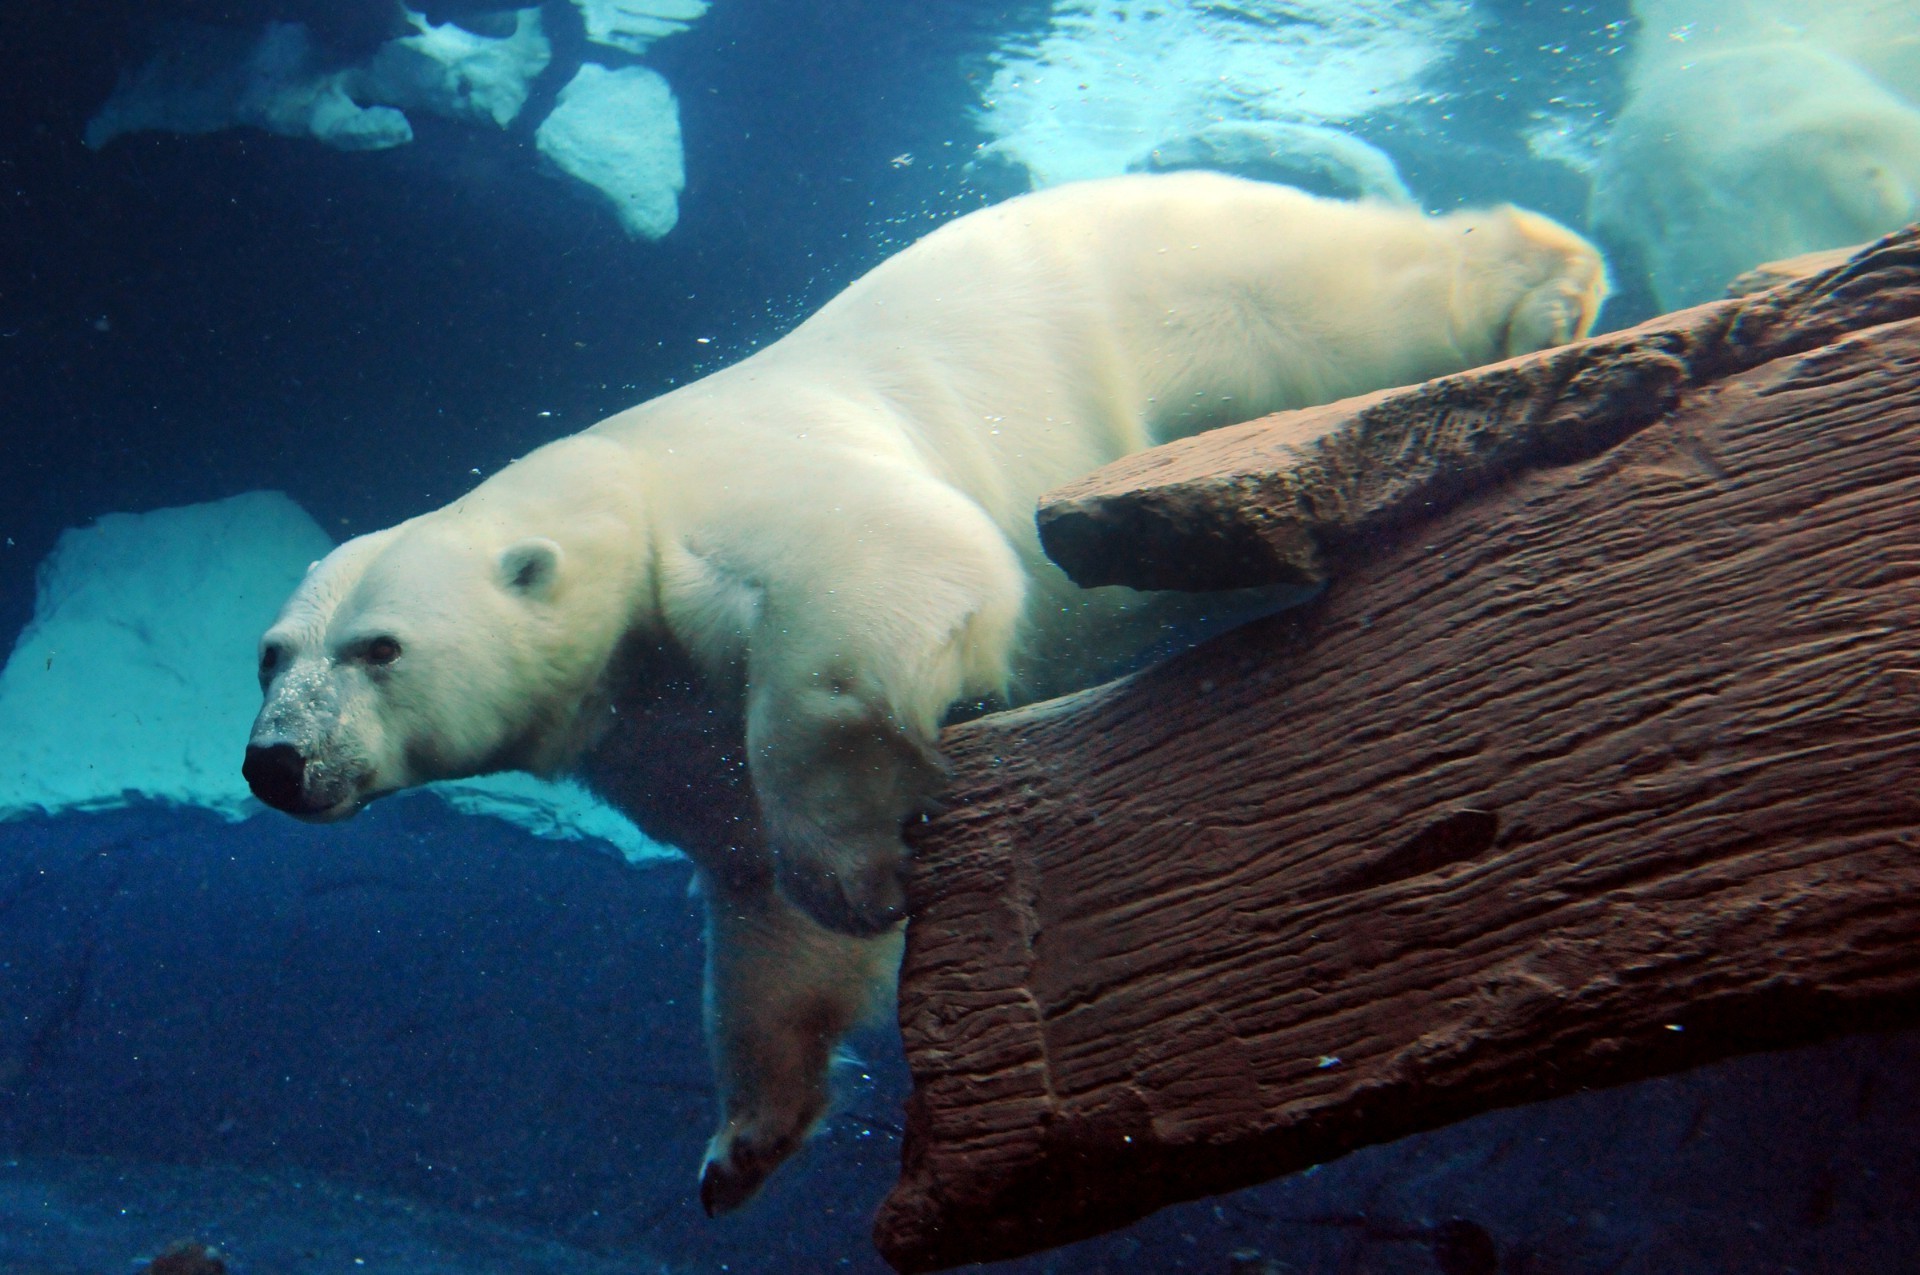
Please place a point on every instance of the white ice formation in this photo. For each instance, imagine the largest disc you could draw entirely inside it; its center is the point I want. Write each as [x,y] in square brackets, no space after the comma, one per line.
[634,25]
[213,78]
[618,131]
[447,70]
[1111,80]
[134,679]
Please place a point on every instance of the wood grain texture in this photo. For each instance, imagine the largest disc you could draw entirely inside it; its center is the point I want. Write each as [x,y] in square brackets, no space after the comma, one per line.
[1609,772]
[1282,499]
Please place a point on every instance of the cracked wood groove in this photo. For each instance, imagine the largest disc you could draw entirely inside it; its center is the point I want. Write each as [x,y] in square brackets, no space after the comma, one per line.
[1626,746]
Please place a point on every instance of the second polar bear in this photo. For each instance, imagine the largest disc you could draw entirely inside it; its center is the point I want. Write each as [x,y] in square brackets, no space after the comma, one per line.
[743,608]
[1760,129]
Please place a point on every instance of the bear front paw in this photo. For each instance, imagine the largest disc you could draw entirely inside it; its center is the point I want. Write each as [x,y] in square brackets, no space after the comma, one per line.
[863,900]
[735,1170]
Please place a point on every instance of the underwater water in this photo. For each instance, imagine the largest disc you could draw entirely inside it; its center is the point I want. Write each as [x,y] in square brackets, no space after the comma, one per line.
[267,284]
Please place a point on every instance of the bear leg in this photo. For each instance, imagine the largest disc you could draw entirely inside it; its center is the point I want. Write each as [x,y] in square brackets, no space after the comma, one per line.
[837,775]
[913,602]
[782,993]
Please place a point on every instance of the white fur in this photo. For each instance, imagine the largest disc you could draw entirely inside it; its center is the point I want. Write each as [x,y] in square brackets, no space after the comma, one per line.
[1760,129]
[837,533]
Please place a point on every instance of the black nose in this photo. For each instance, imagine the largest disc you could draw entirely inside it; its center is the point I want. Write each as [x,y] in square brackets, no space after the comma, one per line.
[275,773]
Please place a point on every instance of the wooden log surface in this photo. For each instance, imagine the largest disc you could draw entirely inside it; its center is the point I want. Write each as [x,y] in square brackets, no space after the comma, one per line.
[1608,772]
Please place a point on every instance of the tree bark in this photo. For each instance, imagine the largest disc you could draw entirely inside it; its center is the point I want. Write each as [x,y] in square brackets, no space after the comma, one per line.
[1597,759]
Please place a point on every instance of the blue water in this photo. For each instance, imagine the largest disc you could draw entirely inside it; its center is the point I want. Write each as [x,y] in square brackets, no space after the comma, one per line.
[441,1046]
[426,1043]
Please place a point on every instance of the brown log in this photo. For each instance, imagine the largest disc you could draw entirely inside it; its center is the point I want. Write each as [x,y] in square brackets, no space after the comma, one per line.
[1608,772]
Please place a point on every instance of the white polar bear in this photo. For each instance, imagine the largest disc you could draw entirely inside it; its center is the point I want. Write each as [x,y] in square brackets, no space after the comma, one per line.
[743,608]
[1747,138]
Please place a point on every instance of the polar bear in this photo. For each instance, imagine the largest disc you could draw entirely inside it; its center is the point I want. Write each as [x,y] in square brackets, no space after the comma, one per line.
[743,609]
[1752,138]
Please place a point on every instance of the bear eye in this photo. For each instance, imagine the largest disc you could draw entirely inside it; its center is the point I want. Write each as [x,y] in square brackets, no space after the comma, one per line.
[269,660]
[381,650]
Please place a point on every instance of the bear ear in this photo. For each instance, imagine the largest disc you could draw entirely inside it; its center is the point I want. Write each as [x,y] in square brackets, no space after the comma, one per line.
[529,567]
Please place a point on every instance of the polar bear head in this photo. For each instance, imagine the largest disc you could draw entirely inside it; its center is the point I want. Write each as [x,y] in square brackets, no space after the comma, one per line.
[1527,280]
[462,642]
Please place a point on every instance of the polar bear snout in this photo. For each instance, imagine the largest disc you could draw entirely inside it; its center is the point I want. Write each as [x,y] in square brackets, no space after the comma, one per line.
[306,772]
[302,783]
[299,760]
[277,774]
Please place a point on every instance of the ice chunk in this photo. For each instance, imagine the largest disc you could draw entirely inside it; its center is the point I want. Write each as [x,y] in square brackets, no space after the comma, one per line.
[210,78]
[618,131]
[633,25]
[560,810]
[452,72]
[134,679]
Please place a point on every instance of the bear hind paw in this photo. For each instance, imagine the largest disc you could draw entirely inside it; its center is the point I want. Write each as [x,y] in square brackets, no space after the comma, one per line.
[737,1166]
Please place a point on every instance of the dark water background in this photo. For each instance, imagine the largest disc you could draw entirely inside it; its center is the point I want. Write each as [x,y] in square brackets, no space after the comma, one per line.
[470,1027]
